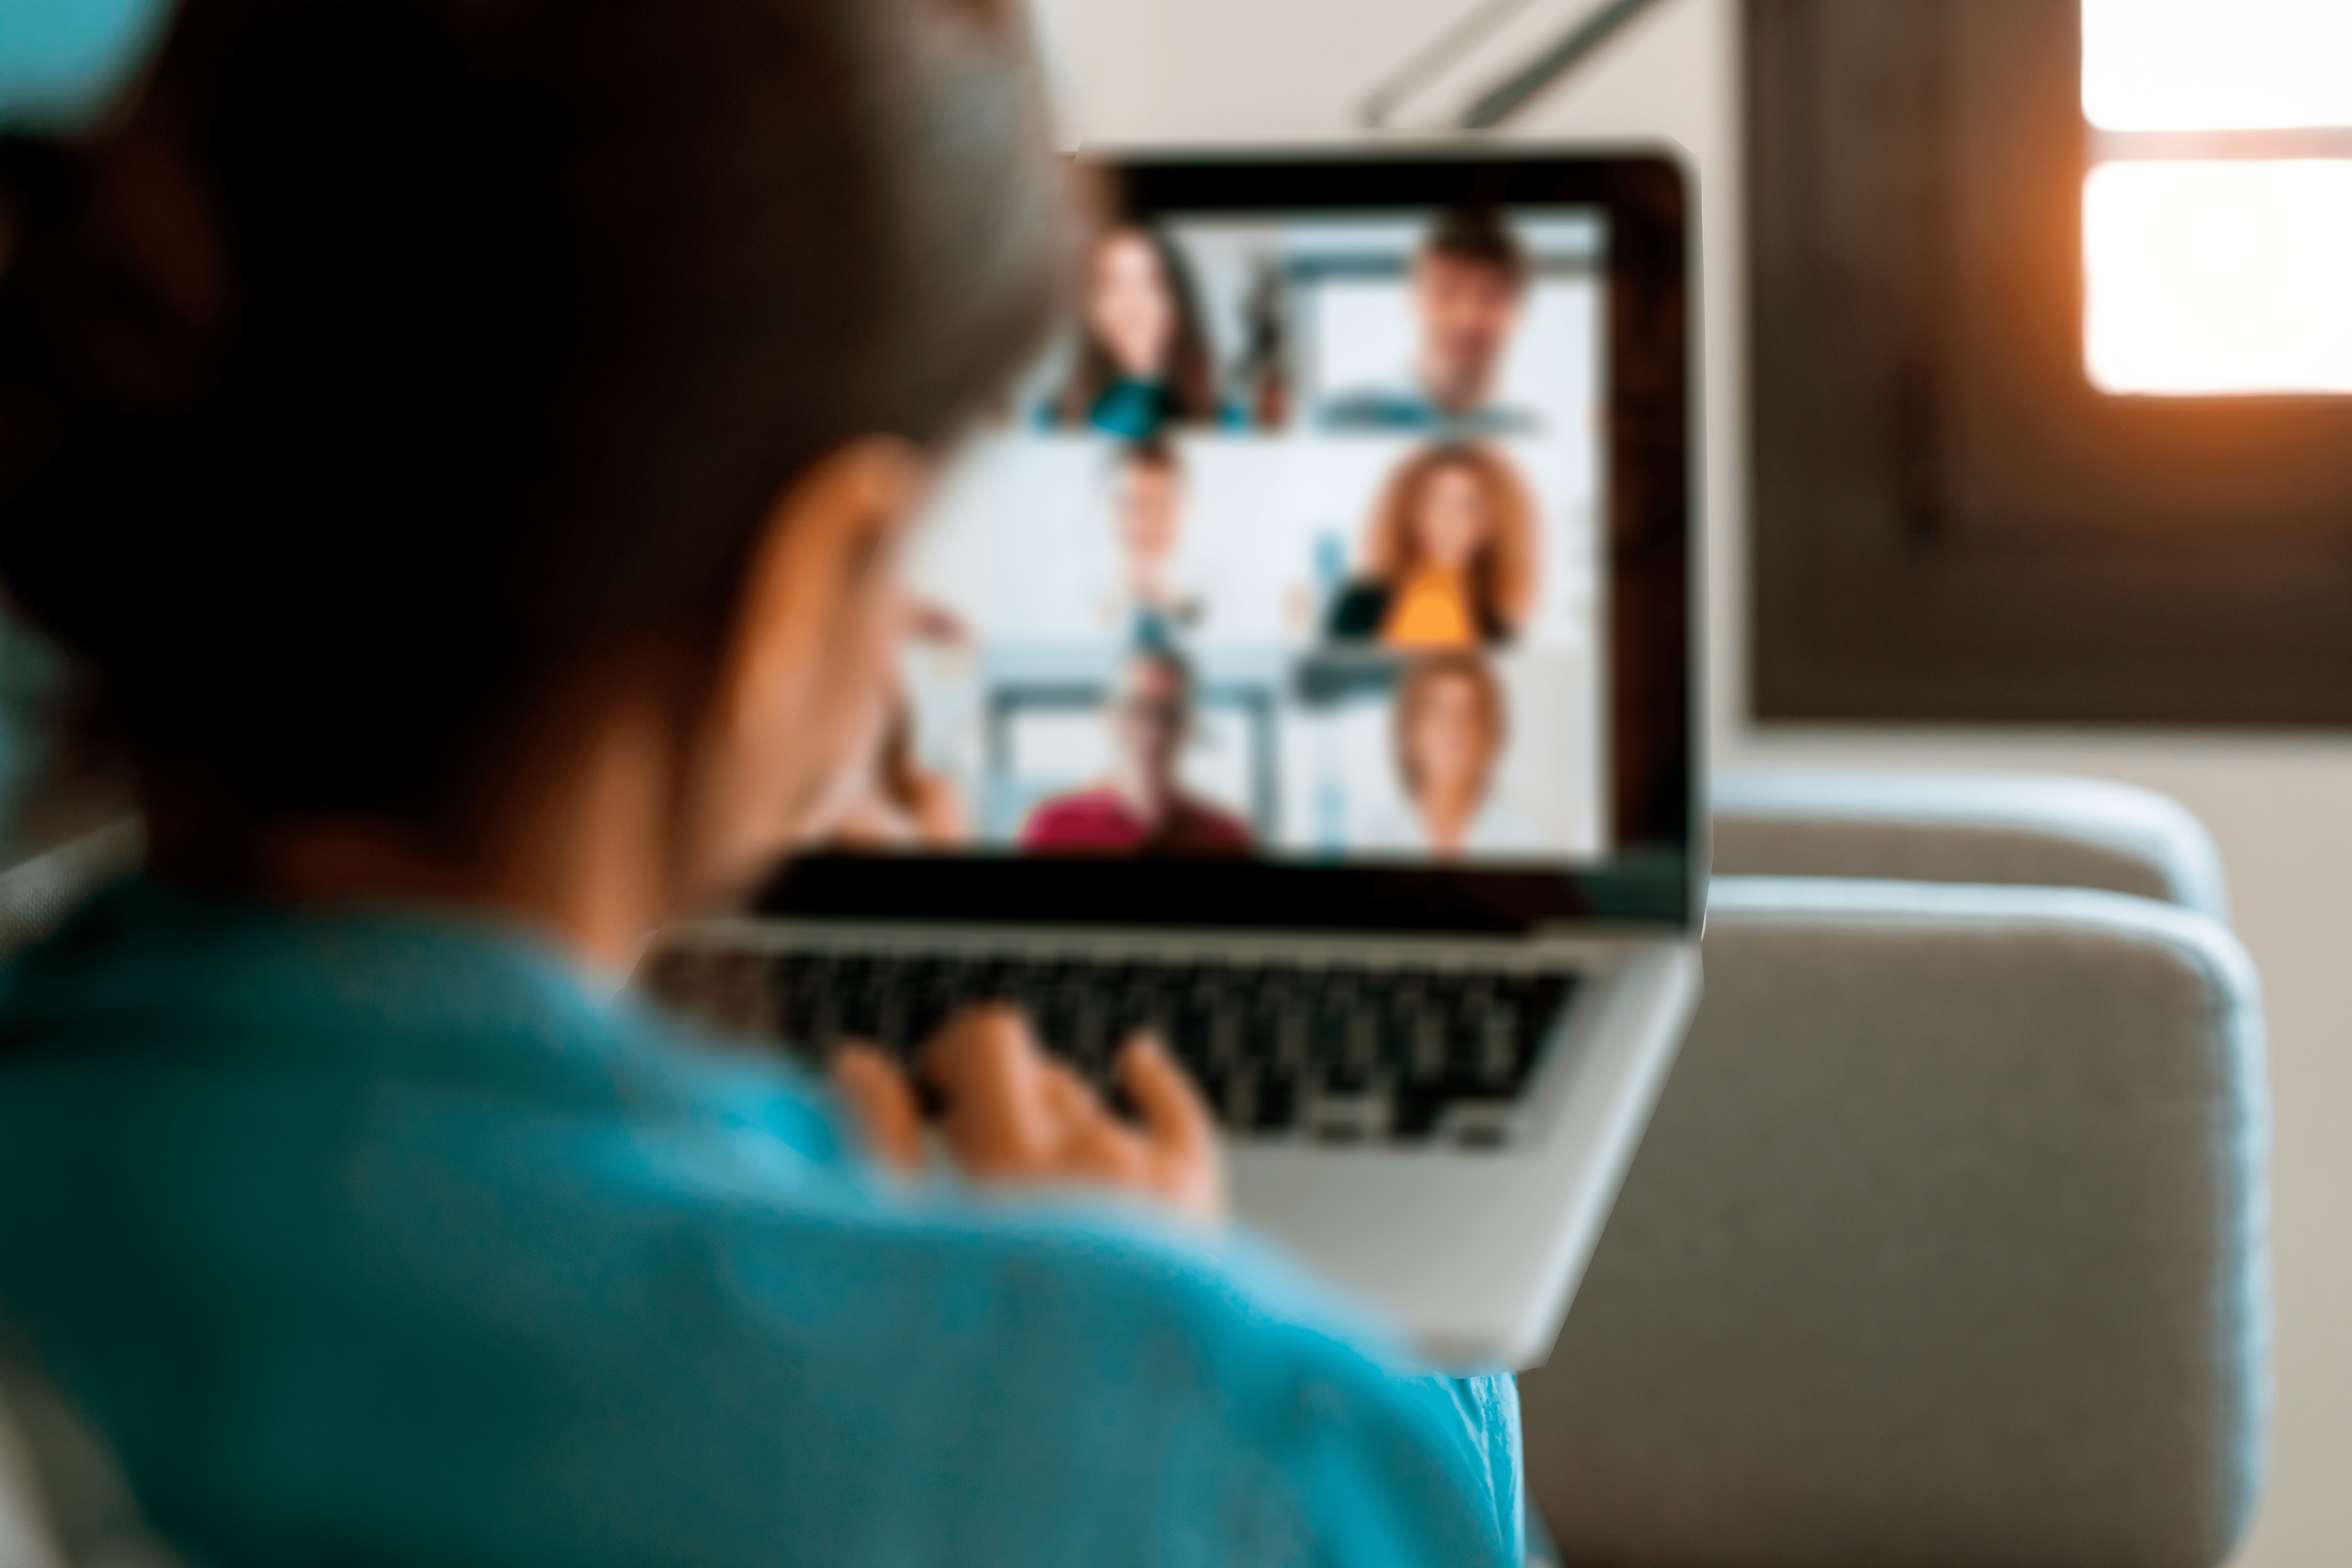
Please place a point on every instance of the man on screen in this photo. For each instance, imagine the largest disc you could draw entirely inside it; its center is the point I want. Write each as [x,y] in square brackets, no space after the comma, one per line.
[1468,288]
[1141,809]
[1152,598]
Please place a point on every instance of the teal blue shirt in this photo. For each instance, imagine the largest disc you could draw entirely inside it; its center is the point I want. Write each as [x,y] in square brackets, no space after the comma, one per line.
[384,1238]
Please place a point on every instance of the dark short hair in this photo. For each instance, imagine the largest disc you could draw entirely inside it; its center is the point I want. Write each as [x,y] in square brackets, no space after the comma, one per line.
[1151,452]
[1168,656]
[1479,235]
[520,317]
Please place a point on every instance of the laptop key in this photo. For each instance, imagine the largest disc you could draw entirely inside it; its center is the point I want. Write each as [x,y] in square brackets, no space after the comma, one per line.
[1239,1099]
[1499,1055]
[1427,1060]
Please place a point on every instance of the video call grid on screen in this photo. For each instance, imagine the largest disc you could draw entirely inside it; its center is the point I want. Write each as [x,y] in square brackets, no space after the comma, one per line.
[1334,484]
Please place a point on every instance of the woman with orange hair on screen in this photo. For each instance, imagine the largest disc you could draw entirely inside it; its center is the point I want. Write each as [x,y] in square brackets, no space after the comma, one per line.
[1449,559]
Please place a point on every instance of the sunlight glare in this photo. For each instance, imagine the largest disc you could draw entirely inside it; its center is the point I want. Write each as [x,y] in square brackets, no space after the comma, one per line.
[2219,277]
[2217,65]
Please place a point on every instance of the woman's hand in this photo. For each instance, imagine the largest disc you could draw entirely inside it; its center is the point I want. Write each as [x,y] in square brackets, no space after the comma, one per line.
[1014,1114]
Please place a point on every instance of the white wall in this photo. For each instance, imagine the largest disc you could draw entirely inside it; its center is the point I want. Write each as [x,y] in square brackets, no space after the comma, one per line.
[2281,807]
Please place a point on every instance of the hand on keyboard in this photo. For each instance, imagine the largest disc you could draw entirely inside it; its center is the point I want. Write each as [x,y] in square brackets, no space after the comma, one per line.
[1014,1114]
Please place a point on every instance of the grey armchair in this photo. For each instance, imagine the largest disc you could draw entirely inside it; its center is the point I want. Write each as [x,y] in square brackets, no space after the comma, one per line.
[2009,829]
[36,895]
[63,1502]
[1945,1244]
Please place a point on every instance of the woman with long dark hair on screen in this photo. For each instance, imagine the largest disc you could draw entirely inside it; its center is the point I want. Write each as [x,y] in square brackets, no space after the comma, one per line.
[1142,361]
[1449,557]
[466,449]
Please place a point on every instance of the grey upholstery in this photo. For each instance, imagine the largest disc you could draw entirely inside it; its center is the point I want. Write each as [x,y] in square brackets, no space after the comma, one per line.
[2018,829]
[63,1504]
[1945,1247]
[36,896]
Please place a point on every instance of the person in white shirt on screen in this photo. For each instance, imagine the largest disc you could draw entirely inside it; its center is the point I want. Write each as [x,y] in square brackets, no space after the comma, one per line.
[1469,290]
[1451,726]
[1153,596]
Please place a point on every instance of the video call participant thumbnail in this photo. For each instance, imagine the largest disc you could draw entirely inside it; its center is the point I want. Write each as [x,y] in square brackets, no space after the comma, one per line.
[1141,809]
[1451,726]
[1151,600]
[1469,288]
[1449,555]
[1143,360]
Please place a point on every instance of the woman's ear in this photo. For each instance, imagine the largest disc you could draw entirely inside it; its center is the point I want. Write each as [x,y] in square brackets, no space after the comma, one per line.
[806,678]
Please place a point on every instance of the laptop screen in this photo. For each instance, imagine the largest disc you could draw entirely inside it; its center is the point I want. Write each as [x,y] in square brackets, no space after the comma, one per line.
[1297,563]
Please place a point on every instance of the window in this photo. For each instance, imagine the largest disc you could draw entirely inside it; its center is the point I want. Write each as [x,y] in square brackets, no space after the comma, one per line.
[2050,317]
[2216,66]
[2217,214]
[2218,277]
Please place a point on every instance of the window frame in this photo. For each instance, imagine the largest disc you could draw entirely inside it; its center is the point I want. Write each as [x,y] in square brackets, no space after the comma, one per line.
[1948,523]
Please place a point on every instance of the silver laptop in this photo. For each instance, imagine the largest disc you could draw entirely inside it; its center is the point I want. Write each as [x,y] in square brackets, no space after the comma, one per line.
[1303,668]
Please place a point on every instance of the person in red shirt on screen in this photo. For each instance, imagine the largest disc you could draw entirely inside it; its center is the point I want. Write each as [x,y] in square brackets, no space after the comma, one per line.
[1141,809]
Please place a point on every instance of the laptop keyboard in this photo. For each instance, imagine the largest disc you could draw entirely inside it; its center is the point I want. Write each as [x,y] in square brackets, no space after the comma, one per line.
[1329,1053]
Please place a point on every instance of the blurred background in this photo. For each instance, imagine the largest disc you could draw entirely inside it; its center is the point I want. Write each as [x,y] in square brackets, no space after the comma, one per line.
[2028,371]
[2277,795]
